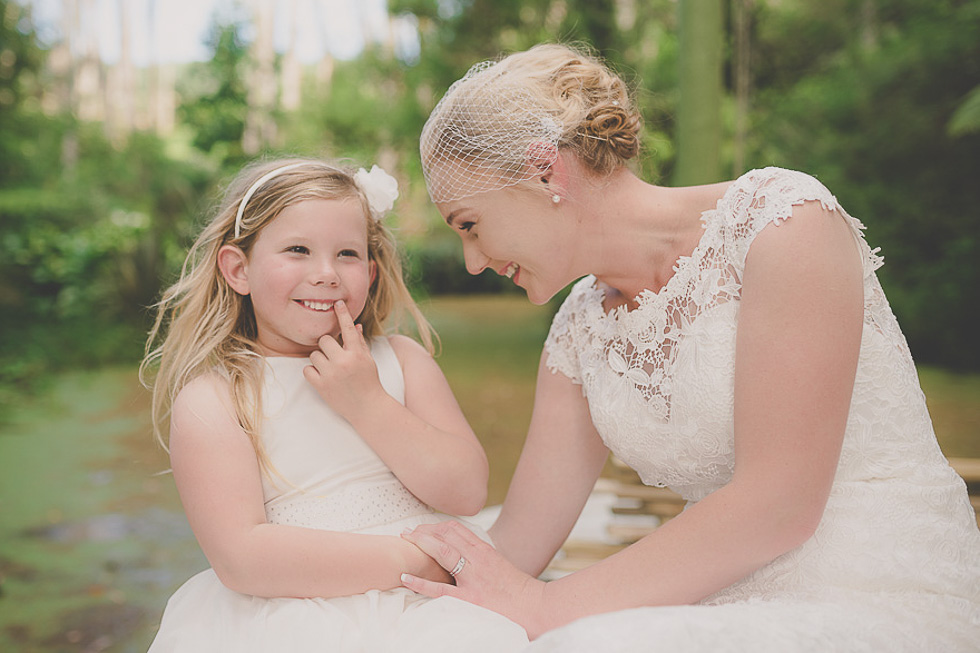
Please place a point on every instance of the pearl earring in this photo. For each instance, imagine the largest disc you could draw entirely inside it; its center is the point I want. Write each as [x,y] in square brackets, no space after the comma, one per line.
[556,198]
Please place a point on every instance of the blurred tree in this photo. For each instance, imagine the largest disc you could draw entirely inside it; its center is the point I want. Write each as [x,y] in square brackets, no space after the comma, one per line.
[81,254]
[966,118]
[870,118]
[698,134]
[262,82]
[21,79]
[214,96]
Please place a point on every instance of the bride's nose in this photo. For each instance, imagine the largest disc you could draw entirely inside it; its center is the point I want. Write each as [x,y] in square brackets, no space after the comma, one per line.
[476,261]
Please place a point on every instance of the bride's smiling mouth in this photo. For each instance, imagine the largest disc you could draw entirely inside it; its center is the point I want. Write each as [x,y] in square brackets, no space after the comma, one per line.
[510,270]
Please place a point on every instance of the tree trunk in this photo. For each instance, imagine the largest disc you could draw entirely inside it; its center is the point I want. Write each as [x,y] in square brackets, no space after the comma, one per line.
[742,64]
[88,71]
[120,83]
[699,111]
[292,70]
[260,128]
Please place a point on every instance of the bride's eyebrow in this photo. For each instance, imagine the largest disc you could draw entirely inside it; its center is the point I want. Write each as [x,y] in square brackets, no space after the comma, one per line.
[455,214]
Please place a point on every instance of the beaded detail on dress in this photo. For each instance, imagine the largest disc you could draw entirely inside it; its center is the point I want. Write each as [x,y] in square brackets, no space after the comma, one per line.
[350,509]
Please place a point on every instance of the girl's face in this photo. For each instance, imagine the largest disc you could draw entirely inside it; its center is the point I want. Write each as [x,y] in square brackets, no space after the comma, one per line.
[515,233]
[311,255]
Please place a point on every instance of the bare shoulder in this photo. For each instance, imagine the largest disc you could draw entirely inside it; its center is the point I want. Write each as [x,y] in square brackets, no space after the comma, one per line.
[806,265]
[204,390]
[813,231]
[411,354]
[204,405]
[407,348]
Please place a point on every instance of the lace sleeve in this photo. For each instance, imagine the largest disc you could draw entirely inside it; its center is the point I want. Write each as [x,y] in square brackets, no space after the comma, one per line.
[563,344]
[768,196]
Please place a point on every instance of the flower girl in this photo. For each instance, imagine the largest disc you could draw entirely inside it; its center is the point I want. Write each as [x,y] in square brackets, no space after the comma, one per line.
[304,440]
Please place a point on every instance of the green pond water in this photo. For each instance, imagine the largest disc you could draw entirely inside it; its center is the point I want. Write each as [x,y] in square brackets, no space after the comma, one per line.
[92,537]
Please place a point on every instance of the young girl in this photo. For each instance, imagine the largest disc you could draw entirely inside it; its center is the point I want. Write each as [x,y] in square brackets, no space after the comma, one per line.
[303,444]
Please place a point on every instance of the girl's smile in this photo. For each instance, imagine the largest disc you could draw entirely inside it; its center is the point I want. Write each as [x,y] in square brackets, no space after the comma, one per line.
[315,305]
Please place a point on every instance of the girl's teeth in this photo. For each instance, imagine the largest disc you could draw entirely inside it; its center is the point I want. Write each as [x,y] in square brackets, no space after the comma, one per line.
[318,306]
[510,270]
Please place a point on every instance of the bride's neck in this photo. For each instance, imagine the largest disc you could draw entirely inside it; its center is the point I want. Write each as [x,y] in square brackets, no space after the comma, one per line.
[635,231]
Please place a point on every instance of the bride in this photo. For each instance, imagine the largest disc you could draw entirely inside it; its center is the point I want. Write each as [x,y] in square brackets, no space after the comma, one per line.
[730,341]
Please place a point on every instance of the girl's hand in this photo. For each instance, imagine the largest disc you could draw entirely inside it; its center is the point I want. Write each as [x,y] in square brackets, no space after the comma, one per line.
[485,578]
[346,376]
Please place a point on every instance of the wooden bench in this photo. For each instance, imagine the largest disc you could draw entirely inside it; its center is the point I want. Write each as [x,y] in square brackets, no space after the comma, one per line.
[637,509]
[969,469]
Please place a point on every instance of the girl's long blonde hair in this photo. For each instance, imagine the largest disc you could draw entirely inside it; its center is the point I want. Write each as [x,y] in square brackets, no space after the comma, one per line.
[202,325]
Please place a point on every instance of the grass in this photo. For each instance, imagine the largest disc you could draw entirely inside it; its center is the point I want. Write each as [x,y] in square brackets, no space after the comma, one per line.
[92,537]
[491,346]
[954,403]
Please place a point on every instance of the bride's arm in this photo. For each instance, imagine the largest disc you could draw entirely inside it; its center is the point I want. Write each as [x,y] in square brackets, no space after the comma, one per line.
[219,482]
[562,457]
[799,335]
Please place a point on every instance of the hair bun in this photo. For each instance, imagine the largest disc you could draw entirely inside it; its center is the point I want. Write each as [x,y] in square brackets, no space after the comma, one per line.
[612,123]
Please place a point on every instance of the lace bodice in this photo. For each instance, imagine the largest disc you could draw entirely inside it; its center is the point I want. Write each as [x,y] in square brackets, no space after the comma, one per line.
[659,379]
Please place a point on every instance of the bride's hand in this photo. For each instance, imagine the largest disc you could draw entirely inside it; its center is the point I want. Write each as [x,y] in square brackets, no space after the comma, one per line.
[420,564]
[482,575]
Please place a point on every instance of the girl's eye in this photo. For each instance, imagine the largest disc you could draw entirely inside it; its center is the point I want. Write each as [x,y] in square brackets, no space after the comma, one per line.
[466,226]
[350,253]
[298,249]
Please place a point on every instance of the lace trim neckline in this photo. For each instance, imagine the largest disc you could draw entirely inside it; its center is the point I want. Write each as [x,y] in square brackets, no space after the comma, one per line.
[709,221]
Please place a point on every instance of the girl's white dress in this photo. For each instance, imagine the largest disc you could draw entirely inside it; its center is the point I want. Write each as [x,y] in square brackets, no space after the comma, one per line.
[335,482]
[895,562]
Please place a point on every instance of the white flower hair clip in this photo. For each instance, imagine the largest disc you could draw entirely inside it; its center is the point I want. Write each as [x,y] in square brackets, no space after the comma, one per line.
[380,189]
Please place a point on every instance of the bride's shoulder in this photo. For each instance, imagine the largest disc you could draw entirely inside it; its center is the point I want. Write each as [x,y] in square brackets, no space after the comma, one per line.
[774,184]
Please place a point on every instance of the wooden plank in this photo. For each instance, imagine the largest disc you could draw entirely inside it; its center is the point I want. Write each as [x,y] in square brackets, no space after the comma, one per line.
[968,468]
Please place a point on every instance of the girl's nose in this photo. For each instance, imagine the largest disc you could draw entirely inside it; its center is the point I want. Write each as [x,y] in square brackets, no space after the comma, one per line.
[325,274]
[476,261]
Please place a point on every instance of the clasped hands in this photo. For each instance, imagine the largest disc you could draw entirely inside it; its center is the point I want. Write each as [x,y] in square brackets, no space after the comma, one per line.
[486,579]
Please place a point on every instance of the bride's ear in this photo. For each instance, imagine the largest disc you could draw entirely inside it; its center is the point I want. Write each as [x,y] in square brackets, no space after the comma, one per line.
[547,167]
[541,156]
[233,265]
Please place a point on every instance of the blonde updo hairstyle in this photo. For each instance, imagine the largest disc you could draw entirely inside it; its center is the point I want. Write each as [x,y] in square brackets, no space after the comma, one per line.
[490,120]
[203,326]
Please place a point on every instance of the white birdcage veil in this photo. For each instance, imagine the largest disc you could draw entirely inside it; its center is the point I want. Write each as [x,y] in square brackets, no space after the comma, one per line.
[482,133]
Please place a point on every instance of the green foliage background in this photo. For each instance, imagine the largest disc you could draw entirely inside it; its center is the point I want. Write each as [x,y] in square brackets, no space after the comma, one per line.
[882,107]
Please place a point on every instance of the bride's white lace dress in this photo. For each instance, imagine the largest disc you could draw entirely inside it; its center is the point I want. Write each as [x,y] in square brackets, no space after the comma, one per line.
[895,562]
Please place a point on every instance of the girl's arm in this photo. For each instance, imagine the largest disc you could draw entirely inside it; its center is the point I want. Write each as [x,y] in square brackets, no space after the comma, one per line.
[561,460]
[799,334]
[218,478]
[427,442]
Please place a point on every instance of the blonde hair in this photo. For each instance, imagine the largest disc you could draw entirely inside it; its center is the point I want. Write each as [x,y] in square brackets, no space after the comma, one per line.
[490,120]
[202,325]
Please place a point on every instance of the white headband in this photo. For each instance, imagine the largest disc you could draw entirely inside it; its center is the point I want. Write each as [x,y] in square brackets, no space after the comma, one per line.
[254,187]
[380,189]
